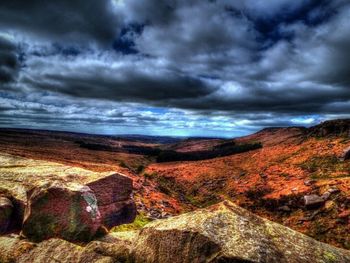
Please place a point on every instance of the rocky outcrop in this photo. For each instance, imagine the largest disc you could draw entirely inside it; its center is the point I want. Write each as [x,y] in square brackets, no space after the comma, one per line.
[228,233]
[6,210]
[54,200]
[331,128]
[221,233]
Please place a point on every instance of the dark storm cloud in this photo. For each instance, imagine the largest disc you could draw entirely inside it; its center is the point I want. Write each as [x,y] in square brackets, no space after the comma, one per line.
[222,64]
[64,20]
[127,81]
[9,64]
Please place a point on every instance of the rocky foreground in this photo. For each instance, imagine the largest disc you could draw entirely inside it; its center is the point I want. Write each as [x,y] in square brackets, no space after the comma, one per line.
[55,213]
[43,200]
[220,233]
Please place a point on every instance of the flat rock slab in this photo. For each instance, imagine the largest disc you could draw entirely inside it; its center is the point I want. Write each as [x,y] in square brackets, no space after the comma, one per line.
[18,174]
[228,233]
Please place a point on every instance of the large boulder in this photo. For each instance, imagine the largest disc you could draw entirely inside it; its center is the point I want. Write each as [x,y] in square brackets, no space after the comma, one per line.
[68,211]
[228,233]
[6,210]
[59,193]
[113,195]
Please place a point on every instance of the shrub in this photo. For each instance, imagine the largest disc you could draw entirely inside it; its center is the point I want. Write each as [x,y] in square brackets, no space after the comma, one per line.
[140,168]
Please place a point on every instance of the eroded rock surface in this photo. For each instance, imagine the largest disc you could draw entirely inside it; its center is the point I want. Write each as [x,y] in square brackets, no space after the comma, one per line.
[57,210]
[221,233]
[54,250]
[12,247]
[114,203]
[228,233]
[54,200]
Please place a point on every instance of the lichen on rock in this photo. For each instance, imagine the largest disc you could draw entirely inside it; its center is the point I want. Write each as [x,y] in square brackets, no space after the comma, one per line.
[228,233]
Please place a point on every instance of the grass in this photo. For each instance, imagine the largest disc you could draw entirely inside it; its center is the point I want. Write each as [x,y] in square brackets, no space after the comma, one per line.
[322,167]
[139,222]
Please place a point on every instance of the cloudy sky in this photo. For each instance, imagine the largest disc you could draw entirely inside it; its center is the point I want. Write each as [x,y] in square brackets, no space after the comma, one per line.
[173,67]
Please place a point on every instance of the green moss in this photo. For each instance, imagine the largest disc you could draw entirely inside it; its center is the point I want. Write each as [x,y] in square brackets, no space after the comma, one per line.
[193,200]
[324,166]
[202,201]
[329,257]
[139,222]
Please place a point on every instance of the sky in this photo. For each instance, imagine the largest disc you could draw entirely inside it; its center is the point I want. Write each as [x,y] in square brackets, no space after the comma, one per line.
[173,67]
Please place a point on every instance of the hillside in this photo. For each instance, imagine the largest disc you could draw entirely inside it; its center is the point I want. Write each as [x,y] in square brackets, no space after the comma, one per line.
[292,165]
[274,181]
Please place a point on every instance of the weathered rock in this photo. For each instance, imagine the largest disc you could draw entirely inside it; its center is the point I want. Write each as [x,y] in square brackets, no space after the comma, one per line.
[19,175]
[228,233]
[12,247]
[114,245]
[346,154]
[68,211]
[118,213]
[58,250]
[339,127]
[313,201]
[326,195]
[114,202]
[111,248]
[6,209]
[112,191]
